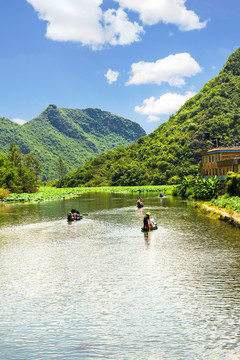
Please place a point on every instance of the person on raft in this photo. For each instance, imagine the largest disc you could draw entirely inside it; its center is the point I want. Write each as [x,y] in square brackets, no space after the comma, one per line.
[69,216]
[139,202]
[74,214]
[146,220]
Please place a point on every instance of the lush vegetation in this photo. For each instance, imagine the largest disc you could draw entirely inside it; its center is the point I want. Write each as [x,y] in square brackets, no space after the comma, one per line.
[51,193]
[230,203]
[198,188]
[232,184]
[231,199]
[173,150]
[73,135]
[18,174]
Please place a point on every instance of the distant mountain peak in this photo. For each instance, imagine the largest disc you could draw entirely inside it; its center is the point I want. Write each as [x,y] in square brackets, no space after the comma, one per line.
[75,135]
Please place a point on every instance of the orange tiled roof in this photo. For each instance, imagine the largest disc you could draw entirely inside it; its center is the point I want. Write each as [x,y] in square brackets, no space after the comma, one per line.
[233,148]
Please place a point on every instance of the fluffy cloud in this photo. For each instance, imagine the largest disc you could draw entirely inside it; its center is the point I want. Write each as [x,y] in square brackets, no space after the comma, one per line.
[171,70]
[85,21]
[111,76]
[153,118]
[166,104]
[72,20]
[19,121]
[118,30]
[167,11]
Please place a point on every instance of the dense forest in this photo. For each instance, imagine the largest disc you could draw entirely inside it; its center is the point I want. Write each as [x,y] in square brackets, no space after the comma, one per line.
[173,150]
[72,136]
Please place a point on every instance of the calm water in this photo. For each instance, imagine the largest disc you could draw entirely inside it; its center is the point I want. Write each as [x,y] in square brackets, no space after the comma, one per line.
[100,288]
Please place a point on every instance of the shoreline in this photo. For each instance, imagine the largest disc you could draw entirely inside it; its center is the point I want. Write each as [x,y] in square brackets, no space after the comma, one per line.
[230,217]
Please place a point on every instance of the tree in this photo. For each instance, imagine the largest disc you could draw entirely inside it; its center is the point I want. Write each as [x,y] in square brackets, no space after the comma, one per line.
[14,155]
[61,167]
[32,162]
[14,174]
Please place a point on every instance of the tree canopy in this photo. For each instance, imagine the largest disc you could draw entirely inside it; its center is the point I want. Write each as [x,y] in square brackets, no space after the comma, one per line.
[16,173]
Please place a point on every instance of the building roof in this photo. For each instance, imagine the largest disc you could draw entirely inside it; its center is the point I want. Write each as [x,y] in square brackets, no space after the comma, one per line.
[224,149]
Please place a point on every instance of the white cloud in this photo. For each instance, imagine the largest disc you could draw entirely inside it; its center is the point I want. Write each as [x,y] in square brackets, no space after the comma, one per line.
[19,121]
[72,20]
[172,69]
[153,118]
[111,76]
[168,103]
[167,11]
[85,21]
[119,30]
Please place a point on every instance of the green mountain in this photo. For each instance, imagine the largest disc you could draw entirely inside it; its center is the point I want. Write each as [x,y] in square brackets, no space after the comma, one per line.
[173,149]
[75,135]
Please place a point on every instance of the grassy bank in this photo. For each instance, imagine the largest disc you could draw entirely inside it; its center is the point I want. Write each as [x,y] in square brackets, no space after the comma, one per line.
[229,203]
[223,208]
[52,193]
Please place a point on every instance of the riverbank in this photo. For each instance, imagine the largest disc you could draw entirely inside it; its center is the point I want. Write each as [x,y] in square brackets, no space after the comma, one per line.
[226,213]
[52,193]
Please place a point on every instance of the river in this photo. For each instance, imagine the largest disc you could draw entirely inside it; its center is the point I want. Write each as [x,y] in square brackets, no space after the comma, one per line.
[99,288]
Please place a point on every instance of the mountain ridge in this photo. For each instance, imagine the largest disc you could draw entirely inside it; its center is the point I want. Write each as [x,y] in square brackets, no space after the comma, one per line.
[76,135]
[173,149]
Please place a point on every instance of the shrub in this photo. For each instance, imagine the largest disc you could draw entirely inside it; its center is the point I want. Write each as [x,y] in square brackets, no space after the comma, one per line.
[199,188]
[207,189]
[4,193]
[232,183]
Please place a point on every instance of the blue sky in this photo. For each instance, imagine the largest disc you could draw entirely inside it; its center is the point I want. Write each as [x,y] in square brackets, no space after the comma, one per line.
[140,59]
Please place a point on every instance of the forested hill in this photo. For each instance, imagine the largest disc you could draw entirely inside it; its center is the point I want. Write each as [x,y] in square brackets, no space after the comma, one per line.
[75,135]
[173,149]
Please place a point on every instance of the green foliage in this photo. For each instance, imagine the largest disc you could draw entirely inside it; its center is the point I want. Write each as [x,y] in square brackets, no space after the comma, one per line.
[199,188]
[51,193]
[14,175]
[230,203]
[186,183]
[232,182]
[4,193]
[173,150]
[32,162]
[61,167]
[75,135]
[206,189]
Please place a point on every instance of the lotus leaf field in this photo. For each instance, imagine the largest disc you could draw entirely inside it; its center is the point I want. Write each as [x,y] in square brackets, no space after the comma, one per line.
[52,193]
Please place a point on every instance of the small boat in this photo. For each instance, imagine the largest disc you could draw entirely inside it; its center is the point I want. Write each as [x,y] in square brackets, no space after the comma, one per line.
[74,215]
[74,218]
[150,228]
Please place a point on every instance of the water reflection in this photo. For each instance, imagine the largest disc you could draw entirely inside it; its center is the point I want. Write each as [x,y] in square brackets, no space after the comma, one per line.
[147,238]
[101,288]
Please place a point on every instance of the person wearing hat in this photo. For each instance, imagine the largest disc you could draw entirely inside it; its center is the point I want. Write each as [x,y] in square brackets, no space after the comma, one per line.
[146,220]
